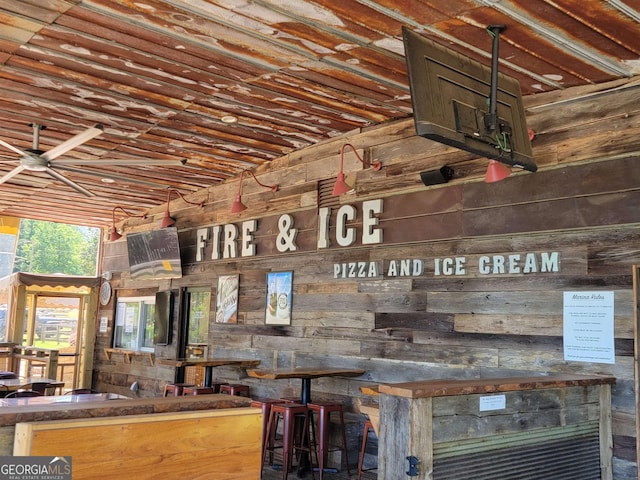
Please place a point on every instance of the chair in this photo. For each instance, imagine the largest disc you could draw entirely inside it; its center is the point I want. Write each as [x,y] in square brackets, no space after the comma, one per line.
[197,390]
[292,414]
[265,405]
[40,387]
[368,427]
[81,391]
[24,394]
[175,389]
[323,411]
[235,389]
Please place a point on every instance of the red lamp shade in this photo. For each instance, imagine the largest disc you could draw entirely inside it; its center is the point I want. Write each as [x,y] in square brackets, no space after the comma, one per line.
[237,206]
[114,235]
[496,171]
[341,187]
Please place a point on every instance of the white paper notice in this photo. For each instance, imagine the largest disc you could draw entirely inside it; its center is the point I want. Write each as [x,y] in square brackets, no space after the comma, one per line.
[588,327]
[493,402]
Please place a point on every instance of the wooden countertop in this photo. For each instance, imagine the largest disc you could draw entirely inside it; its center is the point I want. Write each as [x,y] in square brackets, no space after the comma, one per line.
[274,374]
[10,415]
[443,388]
[209,362]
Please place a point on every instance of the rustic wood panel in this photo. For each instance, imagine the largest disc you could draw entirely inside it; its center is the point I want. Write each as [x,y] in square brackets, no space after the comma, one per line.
[137,442]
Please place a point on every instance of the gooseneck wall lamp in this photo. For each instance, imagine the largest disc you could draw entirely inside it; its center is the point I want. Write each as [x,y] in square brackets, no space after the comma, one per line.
[237,205]
[167,220]
[114,235]
[341,187]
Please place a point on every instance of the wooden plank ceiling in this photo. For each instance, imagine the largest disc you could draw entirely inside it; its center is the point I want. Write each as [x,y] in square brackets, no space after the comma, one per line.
[161,76]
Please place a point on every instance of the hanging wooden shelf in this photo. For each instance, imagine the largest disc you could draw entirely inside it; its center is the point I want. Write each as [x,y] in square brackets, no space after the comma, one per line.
[128,354]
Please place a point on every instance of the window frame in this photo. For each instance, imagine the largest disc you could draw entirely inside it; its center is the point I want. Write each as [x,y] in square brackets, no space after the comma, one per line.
[140,323]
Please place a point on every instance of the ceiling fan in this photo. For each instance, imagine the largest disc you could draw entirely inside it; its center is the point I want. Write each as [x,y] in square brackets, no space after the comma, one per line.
[35,160]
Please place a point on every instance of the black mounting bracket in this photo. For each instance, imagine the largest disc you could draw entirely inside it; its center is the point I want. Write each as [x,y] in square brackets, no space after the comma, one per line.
[413,466]
[491,118]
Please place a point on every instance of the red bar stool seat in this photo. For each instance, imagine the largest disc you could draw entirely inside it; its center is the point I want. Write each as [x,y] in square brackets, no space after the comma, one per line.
[235,389]
[323,412]
[291,414]
[175,389]
[368,427]
[197,390]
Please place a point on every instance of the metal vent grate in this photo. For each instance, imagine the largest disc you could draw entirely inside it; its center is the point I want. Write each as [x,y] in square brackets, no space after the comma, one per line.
[325,194]
[551,459]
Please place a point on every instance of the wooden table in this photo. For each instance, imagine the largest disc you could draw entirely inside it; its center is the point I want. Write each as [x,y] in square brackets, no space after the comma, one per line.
[13,384]
[209,364]
[59,400]
[306,374]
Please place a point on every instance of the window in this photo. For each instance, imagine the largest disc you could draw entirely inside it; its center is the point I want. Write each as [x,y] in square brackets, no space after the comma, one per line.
[198,321]
[135,323]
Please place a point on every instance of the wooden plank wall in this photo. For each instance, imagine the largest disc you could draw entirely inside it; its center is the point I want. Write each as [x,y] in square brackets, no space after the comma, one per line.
[582,203]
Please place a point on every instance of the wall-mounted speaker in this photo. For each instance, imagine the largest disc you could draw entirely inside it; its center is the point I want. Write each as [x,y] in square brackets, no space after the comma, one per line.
[436,177]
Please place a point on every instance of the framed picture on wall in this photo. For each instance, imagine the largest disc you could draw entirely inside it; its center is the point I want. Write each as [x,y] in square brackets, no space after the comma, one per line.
[227,299]
[278,302]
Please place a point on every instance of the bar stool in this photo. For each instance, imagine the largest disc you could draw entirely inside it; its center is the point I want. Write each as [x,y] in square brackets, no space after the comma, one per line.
[324,411]
[216,386]
[175,389]
[368,427]
[265,405]
[197,390]
[235,389]
[291,414]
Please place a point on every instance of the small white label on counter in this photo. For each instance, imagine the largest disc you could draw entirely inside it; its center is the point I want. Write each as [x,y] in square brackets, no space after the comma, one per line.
[493,402]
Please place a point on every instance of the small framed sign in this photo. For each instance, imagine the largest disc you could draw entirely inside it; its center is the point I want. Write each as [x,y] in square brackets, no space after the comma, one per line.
[227,299]
[278,302]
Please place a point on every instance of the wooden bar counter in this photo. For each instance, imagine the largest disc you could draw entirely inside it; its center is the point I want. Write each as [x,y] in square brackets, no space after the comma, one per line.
[10,416]
[537,427]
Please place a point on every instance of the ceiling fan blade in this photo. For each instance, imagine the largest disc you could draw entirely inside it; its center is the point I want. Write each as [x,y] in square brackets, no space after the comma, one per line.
[12,148]
[119,162]
[12,173]
[73,142]
[68,182]
[123,178]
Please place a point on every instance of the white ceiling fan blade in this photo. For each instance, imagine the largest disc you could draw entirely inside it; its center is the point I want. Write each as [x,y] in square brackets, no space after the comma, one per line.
[122,178]
[118,162]
[12,173]
[68,182]
[73,142]
[12,148]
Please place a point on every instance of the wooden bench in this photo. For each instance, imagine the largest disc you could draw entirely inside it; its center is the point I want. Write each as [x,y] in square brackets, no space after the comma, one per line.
[224,444]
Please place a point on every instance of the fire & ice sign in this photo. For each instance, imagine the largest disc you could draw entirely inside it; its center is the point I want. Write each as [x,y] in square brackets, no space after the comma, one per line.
[588,327]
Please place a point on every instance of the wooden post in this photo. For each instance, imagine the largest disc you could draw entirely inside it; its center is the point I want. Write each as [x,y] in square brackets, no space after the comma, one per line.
[636,356]
[606,434]
[406,430]
[51,369]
